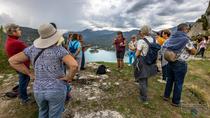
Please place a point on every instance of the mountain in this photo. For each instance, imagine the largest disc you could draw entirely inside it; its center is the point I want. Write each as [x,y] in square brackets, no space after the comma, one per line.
[28,35]
[202,25]
[101,38]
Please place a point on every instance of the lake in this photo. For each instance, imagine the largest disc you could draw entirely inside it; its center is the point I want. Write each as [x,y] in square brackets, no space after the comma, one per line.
[102,56]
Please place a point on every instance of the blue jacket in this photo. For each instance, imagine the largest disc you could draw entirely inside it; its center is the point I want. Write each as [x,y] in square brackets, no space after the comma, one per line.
[177,41]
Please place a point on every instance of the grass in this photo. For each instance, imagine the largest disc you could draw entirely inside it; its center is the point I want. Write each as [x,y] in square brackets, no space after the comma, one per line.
[4,68]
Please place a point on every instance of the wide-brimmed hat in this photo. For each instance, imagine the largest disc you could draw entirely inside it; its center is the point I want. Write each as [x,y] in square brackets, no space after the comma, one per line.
[48,36]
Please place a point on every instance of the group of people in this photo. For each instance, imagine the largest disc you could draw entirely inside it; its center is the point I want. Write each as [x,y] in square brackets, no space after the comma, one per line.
[201,45]
[175,50]
[51,55]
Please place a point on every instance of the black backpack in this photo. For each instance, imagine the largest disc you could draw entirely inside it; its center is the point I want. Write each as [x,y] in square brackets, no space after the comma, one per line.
[101,70]
[152,53]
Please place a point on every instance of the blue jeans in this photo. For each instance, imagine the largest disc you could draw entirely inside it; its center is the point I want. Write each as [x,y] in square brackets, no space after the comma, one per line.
[165,72]
[143,84]
[176,74]
[23,84]
[68,86]
[131,55]
[51,104]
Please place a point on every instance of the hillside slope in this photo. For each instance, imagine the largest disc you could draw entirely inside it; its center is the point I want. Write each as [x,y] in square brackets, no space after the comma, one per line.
[115,95]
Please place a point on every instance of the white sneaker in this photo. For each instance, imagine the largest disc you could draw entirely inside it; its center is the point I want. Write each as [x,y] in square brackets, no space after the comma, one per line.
[162,81]
[129,64]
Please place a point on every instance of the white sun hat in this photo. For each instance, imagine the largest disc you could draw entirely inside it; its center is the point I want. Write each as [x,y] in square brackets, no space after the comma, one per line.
[48,36]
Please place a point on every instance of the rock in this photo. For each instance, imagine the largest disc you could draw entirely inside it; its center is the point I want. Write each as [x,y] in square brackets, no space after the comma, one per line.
[93,76]
[104,84]
[92,98]
[117,83]
[1,76]
[108,70]
[100,114]
[7,81]
[92,65]
[83,77]
[103,76]
[194,111]
[10,76]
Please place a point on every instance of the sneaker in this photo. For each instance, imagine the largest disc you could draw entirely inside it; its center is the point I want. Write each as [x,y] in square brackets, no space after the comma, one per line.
[162,81]
[25,102]
[129,64]
[145,102]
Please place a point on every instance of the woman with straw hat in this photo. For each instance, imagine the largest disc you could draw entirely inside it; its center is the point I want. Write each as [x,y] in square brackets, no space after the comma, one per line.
[50,80]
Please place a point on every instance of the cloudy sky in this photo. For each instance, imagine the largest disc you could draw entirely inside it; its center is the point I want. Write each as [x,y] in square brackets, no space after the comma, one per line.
[101,14]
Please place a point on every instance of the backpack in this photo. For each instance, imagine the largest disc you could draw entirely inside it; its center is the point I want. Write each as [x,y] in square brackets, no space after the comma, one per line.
[152,53]
[101,70]
[170,56]
[72,47]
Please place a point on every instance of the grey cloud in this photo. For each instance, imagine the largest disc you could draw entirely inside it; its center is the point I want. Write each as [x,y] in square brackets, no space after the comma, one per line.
[179,1]
[139,5]
[67,14]
[5,18]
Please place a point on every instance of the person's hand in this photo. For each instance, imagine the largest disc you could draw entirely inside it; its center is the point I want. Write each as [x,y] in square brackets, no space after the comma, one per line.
[32,76]
[66,79]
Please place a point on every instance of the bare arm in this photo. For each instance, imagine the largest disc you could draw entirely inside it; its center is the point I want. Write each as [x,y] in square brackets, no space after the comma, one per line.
[77,52]
[73,67]
[17,62]
[124,43]
[138,53]
[193,51]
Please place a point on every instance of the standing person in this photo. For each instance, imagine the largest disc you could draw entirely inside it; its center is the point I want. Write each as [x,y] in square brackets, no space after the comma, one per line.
[50,83]
[179,43]
[81,40]
[120,43]
[160,40]
[132,49]
[13,46]
[202,46]
[75,49]
[165,34]
[144,70]
[68,40]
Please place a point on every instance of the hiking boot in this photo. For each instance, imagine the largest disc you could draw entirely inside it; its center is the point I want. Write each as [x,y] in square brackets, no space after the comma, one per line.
[175,105]
[27,101]
[166,99]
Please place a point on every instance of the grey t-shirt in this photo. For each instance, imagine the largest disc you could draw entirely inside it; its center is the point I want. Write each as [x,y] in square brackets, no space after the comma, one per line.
[48,68]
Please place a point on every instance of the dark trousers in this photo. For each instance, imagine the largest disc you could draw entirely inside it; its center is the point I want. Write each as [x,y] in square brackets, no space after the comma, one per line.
[143,84]
[176,74]
[83,61]
[165,72]
[23,84]
[201,52]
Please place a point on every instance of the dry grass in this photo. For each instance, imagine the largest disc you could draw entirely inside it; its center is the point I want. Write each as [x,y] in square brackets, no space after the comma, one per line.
[199,93]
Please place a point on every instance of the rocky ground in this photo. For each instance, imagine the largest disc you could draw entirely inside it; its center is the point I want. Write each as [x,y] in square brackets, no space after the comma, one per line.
[115,95]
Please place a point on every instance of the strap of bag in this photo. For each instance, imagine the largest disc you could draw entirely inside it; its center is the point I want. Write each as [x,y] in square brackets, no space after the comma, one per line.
[37,56]
[148,43]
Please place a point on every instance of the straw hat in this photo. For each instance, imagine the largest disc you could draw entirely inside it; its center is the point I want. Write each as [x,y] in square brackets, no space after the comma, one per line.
[48,36]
